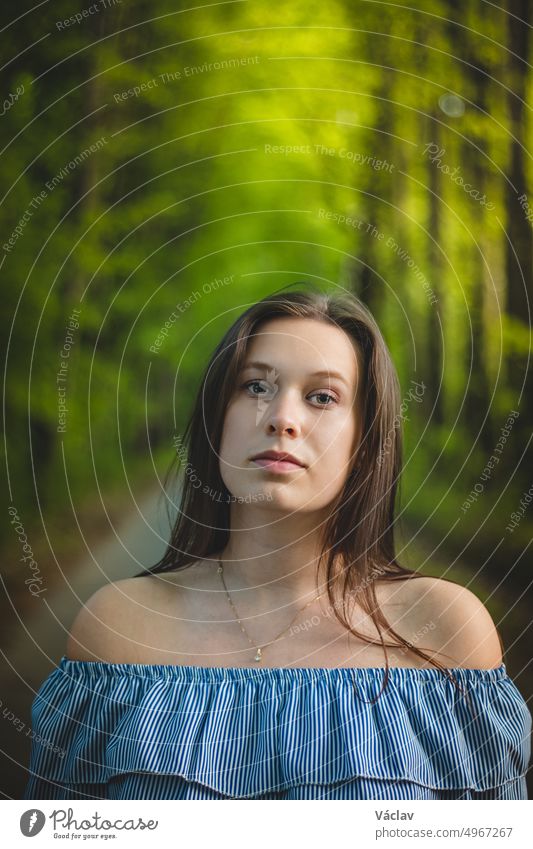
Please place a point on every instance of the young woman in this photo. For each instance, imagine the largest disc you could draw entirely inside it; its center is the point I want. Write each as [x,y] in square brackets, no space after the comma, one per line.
[279,650]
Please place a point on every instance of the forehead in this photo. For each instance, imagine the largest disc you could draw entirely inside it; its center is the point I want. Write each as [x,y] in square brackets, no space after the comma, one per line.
[287,343]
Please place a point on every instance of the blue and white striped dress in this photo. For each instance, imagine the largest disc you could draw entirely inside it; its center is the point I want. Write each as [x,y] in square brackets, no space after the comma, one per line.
[146,731]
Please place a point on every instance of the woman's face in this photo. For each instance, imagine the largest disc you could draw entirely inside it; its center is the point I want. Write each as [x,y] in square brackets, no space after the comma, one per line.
[282,403]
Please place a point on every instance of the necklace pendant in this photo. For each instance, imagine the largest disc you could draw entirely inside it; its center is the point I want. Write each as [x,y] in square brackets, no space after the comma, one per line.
[258,655]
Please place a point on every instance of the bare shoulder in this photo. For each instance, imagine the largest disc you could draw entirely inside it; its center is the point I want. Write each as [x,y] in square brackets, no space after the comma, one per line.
[112,620]
[449,620]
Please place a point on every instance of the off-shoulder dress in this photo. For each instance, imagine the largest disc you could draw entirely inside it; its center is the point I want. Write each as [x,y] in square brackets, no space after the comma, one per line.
[144,731]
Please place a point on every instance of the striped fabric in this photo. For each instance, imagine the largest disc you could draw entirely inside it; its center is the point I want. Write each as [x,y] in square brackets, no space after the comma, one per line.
[146,731]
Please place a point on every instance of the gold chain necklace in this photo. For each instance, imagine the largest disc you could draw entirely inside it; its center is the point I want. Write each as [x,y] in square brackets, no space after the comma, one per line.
[259,649]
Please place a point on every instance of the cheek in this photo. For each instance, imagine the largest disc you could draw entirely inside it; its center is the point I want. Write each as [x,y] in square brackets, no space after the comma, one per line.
[234,441]
[338,440]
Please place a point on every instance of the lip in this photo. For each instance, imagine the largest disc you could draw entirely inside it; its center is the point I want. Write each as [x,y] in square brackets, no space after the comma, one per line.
[276,465]
[277,461]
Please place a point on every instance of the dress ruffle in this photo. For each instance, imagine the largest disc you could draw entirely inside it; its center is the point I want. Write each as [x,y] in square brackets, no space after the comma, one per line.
[245,732]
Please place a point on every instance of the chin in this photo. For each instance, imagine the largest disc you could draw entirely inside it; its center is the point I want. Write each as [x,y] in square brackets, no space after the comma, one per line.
[278,496]
[272,495]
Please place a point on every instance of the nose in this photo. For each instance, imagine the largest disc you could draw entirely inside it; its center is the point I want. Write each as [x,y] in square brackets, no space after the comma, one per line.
[279,415]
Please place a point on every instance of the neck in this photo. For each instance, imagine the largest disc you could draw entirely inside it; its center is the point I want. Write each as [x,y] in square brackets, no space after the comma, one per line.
[274,557]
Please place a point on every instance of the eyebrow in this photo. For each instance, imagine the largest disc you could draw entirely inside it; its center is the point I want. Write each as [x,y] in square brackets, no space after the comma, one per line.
[323,373]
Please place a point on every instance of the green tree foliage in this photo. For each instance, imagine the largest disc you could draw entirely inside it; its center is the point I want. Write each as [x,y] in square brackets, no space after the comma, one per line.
[164,167]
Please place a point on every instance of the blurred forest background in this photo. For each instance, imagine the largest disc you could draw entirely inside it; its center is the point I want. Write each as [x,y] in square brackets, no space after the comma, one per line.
[163,167]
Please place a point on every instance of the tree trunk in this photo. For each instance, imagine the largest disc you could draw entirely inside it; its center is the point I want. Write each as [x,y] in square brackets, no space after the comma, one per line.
[519,242]
[434,366]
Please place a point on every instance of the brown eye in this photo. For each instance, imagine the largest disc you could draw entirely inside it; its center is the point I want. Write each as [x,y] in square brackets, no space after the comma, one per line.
[325,395]
[251,383]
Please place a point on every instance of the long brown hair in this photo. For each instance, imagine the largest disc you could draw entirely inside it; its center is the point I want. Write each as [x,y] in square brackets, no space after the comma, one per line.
[359,533]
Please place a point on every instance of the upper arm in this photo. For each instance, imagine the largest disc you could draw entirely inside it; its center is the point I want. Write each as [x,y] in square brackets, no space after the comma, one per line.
[455,624]
[470,633]
[101,627]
